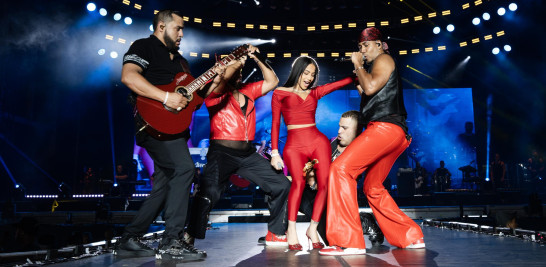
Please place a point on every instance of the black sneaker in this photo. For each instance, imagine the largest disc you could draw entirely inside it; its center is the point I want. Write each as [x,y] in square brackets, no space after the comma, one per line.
[261,240]
[132,247]
[188,238]
[179,250]
[370,227]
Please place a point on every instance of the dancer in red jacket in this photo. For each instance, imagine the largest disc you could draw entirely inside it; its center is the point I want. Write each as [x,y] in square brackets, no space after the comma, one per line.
[297,102]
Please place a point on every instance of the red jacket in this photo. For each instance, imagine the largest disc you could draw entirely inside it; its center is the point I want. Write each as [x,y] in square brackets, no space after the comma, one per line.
[227,121]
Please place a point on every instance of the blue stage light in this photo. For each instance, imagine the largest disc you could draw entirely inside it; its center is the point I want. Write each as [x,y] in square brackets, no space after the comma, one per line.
[513,7]
[113,54]
[103,12]
[450,28]
[117,16]
[495,51]
[476,21]
[17,185]
[501,11]
[128,20]
[436,30]
[91,6]
[486,16]
[507,48]
[115,184]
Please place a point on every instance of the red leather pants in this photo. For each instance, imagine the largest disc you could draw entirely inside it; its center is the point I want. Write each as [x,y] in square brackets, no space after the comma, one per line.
[303,145]
[374,151]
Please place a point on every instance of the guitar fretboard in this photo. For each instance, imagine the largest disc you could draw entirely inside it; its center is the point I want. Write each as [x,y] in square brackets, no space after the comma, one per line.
[205,77]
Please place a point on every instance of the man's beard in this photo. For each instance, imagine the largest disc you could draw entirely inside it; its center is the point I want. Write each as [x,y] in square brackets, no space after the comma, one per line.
[170,43]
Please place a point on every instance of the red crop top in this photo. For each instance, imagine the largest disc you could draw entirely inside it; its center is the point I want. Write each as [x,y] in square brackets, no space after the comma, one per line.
[295,110]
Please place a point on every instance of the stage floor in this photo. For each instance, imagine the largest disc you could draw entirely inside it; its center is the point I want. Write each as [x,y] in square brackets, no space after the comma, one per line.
[235,244]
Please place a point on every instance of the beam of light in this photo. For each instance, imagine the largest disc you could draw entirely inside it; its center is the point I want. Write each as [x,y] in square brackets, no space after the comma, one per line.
[91,6]
[29,159]
[237,42]
[418,71]
[111,128]
[488,146]
[247,77]
[10,175]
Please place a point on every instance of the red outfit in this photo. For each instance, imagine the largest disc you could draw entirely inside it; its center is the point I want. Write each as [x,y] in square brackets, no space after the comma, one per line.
[303,144]
[226,116]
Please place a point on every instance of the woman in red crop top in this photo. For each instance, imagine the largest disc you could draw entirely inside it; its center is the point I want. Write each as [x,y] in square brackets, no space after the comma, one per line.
[297,102]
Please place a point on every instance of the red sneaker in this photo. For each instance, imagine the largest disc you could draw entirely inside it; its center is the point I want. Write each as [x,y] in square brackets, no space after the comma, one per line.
[339,251]
[274,240]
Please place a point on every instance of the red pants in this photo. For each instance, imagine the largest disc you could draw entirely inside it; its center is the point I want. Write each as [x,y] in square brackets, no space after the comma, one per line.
[374,151]
[303,145]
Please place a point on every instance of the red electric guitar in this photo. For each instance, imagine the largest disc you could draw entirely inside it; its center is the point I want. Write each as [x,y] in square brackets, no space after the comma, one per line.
[165,123]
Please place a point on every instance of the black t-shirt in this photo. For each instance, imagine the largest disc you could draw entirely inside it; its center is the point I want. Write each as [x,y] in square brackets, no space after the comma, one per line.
[154,58]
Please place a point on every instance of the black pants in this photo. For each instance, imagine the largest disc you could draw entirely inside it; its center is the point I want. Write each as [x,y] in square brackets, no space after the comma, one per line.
[221,164]
[173,174]
[306,207]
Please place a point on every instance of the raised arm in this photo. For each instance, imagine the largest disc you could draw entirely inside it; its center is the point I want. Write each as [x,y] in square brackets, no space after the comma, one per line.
[330,87]
[276,160]
[371,83]
[270,78]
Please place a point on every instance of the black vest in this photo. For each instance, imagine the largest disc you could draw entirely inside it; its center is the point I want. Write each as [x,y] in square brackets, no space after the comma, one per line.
[387,101]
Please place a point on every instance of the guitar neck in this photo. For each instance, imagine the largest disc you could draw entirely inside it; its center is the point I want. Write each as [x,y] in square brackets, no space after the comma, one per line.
[205,77]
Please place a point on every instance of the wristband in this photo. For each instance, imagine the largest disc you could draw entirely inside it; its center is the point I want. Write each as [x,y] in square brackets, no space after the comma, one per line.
[275,154]
[361,67]
[166,97]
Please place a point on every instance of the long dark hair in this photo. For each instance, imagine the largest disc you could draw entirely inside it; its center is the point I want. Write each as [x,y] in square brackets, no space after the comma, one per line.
[298,67]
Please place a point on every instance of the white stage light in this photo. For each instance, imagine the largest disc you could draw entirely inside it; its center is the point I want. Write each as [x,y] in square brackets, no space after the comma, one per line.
[495,50]
[91,6]
[128,20]
[486,16]
[102,52]
[151,27]
[113,54]
[476,21]
[513,7]
[507,48]
[501,11]
[103,12]
[436,30]
[450,28]
[117,16]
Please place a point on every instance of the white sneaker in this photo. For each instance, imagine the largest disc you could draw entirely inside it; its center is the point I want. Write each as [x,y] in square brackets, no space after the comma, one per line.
[335,251]
[417,244]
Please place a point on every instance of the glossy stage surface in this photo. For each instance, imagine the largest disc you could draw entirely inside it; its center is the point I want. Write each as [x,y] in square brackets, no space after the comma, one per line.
[235,244]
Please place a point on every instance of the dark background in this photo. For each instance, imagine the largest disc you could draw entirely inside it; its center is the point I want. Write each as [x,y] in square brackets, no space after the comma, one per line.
[63,108]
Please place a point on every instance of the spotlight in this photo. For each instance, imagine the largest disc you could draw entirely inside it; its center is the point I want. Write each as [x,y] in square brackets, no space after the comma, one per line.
[128,20]
[450,28]
[513,7]
[476,21]
[151,27]
[257,2]
[436,30]
[115,184]
[495,50]
[17,185]
[486,16]
[117,16]
[103,12]
[273,41]
[507,48]
[102,52]
[113,54]
[501,11]
[91,6]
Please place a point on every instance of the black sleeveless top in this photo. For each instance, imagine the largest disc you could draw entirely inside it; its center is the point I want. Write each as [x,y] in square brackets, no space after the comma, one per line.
[386,105]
